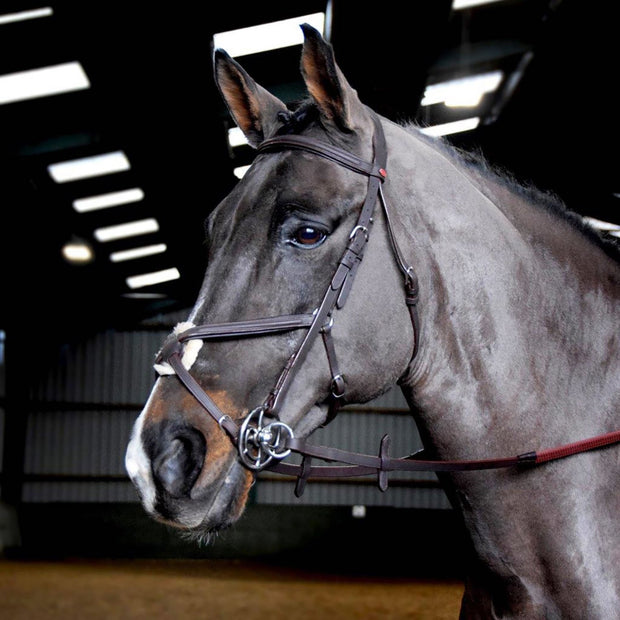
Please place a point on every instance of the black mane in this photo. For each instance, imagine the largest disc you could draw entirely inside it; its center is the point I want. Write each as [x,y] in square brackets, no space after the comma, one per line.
[476,161]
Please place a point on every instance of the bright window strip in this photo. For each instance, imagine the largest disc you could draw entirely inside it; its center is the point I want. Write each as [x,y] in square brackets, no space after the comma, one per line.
[459,5]
[602,225]
[9,18]
[84,168]
[466,92]
[141,252]
[240,171]
[155,277]
[129,229]
[236,137]
[105,201]
[445,129]
[76,252]
[35,83]
[265,37]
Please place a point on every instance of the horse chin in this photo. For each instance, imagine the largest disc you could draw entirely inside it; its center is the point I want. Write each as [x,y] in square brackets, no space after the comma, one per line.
[211,510]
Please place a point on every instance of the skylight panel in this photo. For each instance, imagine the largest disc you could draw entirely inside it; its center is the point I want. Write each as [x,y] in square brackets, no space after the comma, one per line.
[43,82]
[458,5]
[155,277]
[87,167]
[236,137]
[141,252]
[265,37]
[105,201]
[602,225]
[78,252]
[129,229]
[467,124]
[463,92]
[8,18]
[240,171]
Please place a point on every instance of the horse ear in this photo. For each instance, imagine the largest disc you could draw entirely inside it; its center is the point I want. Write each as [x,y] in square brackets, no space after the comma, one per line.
[335,98]
[254,109]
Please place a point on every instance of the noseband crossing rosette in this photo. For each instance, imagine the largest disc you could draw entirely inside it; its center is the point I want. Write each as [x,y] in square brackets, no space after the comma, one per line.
[261,438]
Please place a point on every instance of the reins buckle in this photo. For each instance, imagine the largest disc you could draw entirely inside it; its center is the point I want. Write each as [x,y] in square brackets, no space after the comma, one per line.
[357,229]
[260,443]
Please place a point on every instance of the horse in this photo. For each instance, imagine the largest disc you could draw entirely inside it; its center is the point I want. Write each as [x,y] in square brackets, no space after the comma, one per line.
[503,338]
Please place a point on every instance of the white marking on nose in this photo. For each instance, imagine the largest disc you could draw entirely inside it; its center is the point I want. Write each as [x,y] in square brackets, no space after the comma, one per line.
[190,351]
[137,463]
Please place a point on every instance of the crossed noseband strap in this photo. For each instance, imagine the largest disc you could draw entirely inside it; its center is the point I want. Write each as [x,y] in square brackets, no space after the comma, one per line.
[260,442]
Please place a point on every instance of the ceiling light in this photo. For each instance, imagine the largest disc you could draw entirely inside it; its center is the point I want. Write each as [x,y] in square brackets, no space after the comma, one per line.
[77,252]
[111,199]
[265,37]
[458,5]
[155,277]
[240,171]
[601,225]
[462,92]
[143,295]
[21,16]
[236,137]
[141,252]
[87,167]
[130,229]
[42,82]
[445,129]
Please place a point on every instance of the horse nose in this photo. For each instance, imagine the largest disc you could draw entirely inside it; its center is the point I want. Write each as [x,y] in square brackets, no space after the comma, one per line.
[178,464]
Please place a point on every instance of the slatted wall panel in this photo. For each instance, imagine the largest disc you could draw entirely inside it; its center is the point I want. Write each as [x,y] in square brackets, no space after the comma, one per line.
[77,456]
[81,418]
[2,398]
[113,368]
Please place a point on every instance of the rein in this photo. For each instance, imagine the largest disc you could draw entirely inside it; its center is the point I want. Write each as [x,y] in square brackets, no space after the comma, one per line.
[261,438]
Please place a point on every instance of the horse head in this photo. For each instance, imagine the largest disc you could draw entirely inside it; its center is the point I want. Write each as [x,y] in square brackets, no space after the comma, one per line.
[273,246]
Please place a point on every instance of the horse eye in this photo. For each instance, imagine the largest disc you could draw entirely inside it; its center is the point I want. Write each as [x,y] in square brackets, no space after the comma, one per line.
[309,236]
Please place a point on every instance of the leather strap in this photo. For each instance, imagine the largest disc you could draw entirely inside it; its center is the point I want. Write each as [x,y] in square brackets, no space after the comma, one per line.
[327,151]
[341,282]
[365,464]
[255,327]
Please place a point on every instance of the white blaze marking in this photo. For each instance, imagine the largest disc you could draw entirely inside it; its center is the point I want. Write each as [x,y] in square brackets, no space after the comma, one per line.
[137,462]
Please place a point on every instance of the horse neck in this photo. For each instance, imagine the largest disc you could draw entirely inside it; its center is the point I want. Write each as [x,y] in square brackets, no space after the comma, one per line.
[518,311]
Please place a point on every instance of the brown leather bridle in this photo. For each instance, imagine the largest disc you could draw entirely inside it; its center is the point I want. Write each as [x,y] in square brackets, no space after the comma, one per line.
[261,438]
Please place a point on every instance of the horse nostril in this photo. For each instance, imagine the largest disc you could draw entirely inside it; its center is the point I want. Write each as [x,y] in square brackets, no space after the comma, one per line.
[178,465]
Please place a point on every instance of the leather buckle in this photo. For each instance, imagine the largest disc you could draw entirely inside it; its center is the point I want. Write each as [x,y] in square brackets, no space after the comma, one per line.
[338,386]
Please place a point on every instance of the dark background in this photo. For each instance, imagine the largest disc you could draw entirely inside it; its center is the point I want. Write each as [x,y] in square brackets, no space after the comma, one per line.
[153,96]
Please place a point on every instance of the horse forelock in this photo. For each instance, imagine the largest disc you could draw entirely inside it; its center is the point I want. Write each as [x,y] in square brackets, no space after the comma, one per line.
[302,114]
